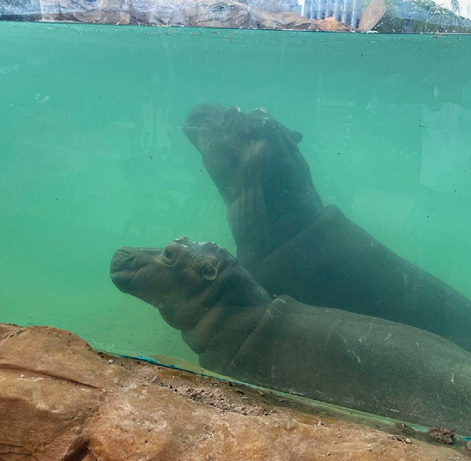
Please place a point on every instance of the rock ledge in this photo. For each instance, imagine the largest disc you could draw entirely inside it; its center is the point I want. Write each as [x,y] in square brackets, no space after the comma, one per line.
[60,400]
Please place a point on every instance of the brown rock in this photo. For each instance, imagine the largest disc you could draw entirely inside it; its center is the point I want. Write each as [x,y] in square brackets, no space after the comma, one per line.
[102,11]
[190,13]
[61,400]
[231,14]
[161,12]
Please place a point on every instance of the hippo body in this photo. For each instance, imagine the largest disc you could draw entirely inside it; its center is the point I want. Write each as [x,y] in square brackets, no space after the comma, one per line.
[295,246]
[238,329]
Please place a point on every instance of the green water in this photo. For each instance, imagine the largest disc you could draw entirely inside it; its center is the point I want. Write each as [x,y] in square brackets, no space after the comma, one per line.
[92,155]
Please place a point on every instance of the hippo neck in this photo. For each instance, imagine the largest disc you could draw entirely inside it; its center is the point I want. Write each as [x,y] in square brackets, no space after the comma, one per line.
[236,287]
[234,302]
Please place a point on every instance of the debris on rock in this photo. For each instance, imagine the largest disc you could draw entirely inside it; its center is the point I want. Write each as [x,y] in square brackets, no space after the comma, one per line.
[442,435]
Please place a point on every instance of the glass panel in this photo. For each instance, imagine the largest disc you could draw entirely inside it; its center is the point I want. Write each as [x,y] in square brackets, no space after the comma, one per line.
[105,144]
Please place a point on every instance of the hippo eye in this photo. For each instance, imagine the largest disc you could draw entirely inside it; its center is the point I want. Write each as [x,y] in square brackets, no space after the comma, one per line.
[169,253]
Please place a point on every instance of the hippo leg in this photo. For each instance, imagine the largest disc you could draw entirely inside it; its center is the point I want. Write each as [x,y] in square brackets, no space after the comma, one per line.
[295,246]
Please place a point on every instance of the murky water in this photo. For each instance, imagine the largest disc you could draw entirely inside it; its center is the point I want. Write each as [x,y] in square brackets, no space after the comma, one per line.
[92,155]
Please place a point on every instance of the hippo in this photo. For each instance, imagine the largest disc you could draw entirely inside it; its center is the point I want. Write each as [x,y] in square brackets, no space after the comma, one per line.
[238,329]
[294,245]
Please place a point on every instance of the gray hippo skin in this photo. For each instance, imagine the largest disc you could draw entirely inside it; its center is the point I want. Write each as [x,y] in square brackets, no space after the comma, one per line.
[294,246]
[353,360]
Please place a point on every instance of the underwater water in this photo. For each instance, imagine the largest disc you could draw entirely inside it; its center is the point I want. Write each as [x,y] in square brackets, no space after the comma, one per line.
[93,157]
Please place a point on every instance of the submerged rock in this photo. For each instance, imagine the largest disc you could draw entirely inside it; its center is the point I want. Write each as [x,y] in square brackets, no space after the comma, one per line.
[61,400]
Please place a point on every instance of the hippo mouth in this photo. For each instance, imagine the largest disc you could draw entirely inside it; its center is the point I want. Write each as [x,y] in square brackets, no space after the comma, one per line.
[121,270]
[126,264]
[205,119]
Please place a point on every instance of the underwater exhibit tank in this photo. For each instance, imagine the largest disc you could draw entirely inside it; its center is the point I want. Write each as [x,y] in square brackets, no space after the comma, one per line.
[99,151]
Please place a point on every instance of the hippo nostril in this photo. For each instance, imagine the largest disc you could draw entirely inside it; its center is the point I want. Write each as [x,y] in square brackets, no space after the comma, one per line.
[121,259]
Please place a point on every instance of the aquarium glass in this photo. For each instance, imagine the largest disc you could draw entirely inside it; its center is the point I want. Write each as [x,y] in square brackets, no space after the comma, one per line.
[93,157]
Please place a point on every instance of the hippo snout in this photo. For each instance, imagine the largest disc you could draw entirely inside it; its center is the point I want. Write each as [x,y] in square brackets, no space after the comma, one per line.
[127,261]
[128,258]
[208,118]
[121,259]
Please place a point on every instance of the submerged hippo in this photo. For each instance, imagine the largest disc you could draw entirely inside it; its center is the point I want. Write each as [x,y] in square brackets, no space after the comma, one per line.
[353,360]
[295,246]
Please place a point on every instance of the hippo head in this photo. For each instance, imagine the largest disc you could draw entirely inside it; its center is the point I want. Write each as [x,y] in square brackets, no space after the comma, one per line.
[255,163]
[179,279]
[237,147]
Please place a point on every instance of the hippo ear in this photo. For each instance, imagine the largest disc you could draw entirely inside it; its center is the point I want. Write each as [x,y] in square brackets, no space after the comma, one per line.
[206,259]
[297,137]
[209,273]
